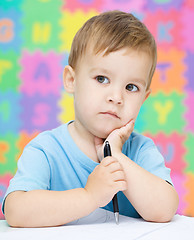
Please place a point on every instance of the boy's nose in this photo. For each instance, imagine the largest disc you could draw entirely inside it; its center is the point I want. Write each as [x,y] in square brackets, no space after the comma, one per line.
[115,97]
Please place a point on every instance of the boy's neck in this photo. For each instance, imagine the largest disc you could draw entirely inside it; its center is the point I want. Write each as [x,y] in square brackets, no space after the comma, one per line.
[84,140]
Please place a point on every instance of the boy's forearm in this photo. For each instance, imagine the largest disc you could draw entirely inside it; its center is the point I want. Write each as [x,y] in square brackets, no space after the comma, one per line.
[153,198]
[40,208]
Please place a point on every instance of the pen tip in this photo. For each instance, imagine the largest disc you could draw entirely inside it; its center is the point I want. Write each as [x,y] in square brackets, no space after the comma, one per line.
[117,217]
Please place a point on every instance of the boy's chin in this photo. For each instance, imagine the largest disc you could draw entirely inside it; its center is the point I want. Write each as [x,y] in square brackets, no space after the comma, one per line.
[104,134]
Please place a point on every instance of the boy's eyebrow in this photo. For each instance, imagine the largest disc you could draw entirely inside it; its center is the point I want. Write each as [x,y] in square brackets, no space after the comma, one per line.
[141,81]
[103,70]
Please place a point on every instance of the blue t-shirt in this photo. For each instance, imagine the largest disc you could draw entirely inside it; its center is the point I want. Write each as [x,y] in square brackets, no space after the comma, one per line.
[52,161]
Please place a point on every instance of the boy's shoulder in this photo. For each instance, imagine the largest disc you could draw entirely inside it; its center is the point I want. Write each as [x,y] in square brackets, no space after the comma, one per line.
[141,140]
[138,143]
[48,137]
[138,146]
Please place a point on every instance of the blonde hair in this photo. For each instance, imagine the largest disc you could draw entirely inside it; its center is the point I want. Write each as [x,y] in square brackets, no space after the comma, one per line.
[112,31]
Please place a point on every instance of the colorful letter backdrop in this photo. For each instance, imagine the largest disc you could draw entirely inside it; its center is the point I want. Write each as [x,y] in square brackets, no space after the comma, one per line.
[35,40]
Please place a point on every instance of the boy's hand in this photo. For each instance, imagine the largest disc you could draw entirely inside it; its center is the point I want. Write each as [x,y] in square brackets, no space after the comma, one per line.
[105,181]
[116,139]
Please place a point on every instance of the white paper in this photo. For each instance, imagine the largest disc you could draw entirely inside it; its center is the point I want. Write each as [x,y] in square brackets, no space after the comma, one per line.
[101,225]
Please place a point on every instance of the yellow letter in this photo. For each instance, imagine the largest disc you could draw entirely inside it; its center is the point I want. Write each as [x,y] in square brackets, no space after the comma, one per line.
[163,110]
[41,32]
[4,66]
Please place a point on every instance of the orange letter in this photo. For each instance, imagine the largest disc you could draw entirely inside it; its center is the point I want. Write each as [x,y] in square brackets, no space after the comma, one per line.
[6,30]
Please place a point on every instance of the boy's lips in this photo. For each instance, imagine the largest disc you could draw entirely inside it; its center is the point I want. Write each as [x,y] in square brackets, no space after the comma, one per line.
[111,114]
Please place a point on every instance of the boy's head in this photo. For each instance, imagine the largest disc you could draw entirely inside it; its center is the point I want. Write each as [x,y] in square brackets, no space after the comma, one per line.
[112,31]
[111,63]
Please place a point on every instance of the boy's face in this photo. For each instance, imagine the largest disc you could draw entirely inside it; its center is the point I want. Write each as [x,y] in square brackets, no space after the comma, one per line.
[109,90]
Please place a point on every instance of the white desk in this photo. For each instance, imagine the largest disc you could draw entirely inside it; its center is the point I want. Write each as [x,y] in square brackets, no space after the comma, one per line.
[100,225]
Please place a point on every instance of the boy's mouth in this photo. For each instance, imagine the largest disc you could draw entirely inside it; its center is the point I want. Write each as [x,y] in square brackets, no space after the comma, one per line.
[111,114]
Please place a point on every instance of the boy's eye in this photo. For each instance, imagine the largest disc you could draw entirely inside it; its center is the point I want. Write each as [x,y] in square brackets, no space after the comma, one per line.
[102,79]
[132,88]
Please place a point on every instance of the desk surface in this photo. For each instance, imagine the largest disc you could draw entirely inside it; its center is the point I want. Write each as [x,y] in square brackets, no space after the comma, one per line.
[101,225]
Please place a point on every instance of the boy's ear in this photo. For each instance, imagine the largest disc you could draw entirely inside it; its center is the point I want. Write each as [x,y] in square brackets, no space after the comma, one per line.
[147,94]
[69,79]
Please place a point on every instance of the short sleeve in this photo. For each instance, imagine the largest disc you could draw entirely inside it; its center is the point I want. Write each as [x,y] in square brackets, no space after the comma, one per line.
[152,160]
[33,172]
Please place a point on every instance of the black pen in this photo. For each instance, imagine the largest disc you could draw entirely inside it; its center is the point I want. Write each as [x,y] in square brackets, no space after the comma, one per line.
[107,152]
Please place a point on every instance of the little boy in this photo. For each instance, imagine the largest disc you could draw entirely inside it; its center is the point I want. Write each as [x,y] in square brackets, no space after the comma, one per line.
[62,175]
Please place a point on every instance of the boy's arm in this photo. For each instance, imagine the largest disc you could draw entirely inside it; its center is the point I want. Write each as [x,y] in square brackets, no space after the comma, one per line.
[152,197]
[40,208]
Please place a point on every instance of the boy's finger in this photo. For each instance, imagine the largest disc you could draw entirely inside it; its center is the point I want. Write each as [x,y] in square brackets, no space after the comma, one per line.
[130,125]
[108,160]
[115,166]
[126,130]
[118,176]
[121,185]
